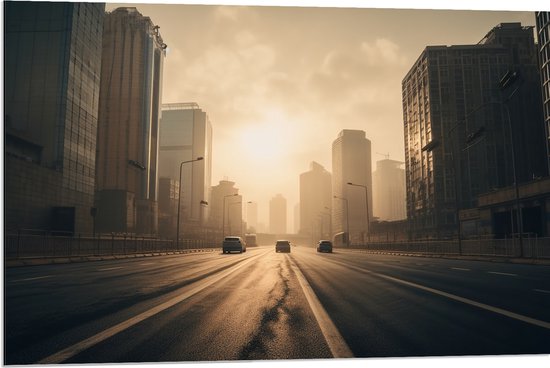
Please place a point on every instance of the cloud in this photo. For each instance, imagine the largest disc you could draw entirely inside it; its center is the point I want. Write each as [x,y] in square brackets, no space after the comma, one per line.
[382,52]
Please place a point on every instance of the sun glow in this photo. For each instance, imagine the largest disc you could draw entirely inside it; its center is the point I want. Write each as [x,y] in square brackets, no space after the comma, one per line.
[267,142]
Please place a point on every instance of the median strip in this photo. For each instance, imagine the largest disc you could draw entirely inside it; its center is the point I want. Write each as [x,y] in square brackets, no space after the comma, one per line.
[77,348]
[335,341]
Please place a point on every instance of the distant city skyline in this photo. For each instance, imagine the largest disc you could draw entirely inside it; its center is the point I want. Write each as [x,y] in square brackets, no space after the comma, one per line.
[277,74]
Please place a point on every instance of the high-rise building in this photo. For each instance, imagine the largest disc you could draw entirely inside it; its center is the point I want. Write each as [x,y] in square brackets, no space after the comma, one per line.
[277,215]
[252,216]
[463,113]
[51,92]
[543,32]
[315,202]
[168,207]
[351,163]
[297,218]
[185,135]
[226,209]
[128,131]
[389,191]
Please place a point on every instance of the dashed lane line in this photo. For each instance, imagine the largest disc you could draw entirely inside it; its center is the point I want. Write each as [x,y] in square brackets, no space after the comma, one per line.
[75,349]
[502,273]
[542,291]
[109,269]
[471,302]
[32,278]
[460,269]
[334,339]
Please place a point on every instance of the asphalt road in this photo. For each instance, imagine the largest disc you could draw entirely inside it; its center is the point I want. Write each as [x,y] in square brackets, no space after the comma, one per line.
[266,305]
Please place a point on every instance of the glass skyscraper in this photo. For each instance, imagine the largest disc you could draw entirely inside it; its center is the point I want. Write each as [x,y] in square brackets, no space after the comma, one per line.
[451,95]
[128,128]
[186,134]
[351,162]
[51,97]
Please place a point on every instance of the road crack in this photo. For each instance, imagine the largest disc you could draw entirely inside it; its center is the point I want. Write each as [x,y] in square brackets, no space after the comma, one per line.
[257,347]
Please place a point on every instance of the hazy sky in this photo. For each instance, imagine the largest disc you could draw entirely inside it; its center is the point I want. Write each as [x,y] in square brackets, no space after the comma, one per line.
[280,83]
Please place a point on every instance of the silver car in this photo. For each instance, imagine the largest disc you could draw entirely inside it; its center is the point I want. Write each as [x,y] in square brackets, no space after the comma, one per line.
[233,244]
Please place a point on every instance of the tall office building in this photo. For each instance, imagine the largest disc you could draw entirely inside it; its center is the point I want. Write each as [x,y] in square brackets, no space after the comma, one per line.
[461,119]
[252,216]
[52,80]
[351,163]
[315,202]
[226,209]
[297,218]
[128,132]
[185,135]
[277,215]
[389,191]
[543,32]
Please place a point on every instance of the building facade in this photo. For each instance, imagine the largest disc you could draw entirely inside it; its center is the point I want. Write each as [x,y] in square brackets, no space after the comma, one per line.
[252,217]
[51,94]
[461,121]
[543,33]
[226,209]
[351,163]
[277,215]
[389,191]
[128,131]
[315,202]
[168,207]
[185,135]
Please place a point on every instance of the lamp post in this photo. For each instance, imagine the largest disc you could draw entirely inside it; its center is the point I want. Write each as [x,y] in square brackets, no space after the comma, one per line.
[223,213]
[179,201]
[506,81]
[329,213]
[347,218]
[228,207]
[366,206]
[202,223]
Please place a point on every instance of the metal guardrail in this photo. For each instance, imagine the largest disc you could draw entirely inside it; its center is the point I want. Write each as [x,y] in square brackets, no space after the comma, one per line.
[506,248]
[46,245]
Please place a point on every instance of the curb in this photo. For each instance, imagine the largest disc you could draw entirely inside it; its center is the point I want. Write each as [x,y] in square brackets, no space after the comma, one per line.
[78,259]
[529,261]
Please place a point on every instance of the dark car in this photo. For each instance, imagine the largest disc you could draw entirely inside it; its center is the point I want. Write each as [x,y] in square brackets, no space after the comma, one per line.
[282,246]
[324,246]
[233,244]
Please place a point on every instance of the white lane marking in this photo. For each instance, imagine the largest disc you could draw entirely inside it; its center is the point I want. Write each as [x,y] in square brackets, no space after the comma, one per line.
[32,278]
[73,350]
[490,308]
[502,273]
[109,269]
[460,269]
[542,291]
[335,341]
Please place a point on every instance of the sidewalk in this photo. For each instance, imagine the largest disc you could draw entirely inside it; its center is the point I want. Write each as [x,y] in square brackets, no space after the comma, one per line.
[76,259]
[497,259]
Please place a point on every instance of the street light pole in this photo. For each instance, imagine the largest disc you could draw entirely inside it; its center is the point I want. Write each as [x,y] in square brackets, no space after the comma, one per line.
[202,222]
[347,218]
[366,205]
[329,221]
[228,207]
[179,201]
[223,213]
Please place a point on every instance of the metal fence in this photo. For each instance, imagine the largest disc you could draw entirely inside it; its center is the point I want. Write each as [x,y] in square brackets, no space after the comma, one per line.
[29,244]
[507,248]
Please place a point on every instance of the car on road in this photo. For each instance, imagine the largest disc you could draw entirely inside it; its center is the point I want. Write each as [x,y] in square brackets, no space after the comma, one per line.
[282,246]
[324,246]
[233,244]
